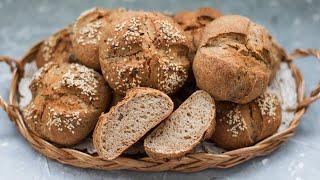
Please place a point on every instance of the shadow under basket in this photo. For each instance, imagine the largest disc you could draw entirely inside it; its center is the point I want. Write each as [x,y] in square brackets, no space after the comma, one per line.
[190,163]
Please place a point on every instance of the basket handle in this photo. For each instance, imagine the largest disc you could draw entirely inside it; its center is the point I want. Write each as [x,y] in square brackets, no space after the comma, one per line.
[14,66]
[315,94]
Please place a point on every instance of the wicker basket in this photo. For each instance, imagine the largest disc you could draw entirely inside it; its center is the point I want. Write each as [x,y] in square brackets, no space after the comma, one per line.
[189,163]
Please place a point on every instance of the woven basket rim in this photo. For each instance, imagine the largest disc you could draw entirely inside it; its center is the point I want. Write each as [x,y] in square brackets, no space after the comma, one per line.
[190,163]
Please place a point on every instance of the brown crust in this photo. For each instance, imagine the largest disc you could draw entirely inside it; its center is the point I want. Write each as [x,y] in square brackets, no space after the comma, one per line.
[207,134]
[67,101]
[207,160]
[88,30]
[194,22]
[145,49]
[240,126]
[235,50]
[57,48]
[132,93]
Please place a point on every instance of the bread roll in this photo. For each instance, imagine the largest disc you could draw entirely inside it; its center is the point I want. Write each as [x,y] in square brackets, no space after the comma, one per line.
[141,110]
[67,101]
[88,30]
[235,60]
[56,48]
[184,129]
[145,49]
[243,125]
[193,22]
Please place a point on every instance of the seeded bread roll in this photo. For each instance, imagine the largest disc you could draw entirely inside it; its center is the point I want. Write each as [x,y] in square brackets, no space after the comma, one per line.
[240,126]
[88,30]
[145,49]
[56,48]
[127,122]
[67,101]
[184,129]
[235,60]
[193,22]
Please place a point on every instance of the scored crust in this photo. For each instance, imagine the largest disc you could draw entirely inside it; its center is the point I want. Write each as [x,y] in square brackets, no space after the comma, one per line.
[236,59]
[145,49]
[183,129]
[134,128]
[67,101]
[243,125]
[194,22]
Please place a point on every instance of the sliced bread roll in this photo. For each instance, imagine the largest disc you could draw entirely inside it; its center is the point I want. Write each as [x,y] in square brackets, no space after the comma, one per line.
[128,121]
[193,121]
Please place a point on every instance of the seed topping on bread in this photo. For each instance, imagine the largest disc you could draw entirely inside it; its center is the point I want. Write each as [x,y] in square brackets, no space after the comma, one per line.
[82,78]
[48,48]
[171,74]
[170,33]
[147,49]
[235,120]
[30,113]
[67,121]
[267,104]
[90,33]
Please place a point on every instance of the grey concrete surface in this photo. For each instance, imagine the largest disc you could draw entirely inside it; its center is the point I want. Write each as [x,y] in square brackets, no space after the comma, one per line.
[295,23]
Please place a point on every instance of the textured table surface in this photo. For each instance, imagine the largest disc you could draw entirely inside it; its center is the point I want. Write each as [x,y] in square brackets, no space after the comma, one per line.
[295,23]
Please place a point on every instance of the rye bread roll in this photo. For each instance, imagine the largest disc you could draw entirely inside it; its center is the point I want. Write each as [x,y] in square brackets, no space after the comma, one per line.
[193,22]
[236,59]
[67,102]
[145,49]
[243,125]
[192,122]
[128,121]
[87,33]
[57,48]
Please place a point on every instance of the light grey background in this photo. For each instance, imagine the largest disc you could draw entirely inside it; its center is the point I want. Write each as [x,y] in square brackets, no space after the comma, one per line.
[295,23]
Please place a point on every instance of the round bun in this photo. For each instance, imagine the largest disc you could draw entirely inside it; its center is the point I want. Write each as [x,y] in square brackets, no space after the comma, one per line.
[145,49]
[193,22]
[67,102]
[235,60]
[239,126]
[87,32]
[57,48]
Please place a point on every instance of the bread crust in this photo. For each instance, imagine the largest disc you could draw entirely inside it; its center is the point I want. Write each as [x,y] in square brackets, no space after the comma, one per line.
[130,95]
[236,59]
[67,101]
[88,30]
[145,49]
[243,125]
[56,48]
[179,153]
[193,22]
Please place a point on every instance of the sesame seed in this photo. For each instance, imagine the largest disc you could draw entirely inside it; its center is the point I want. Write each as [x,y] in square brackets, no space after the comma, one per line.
[235,120]
[267,104]
[41,71]
[48,46]
[169,32]
[82,78]
[61,122]
[90,33]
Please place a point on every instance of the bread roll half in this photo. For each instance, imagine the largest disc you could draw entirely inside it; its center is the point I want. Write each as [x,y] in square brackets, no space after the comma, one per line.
[128,121]
[184,129]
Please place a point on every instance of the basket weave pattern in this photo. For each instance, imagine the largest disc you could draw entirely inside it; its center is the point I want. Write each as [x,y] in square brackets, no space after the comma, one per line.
[189,163]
